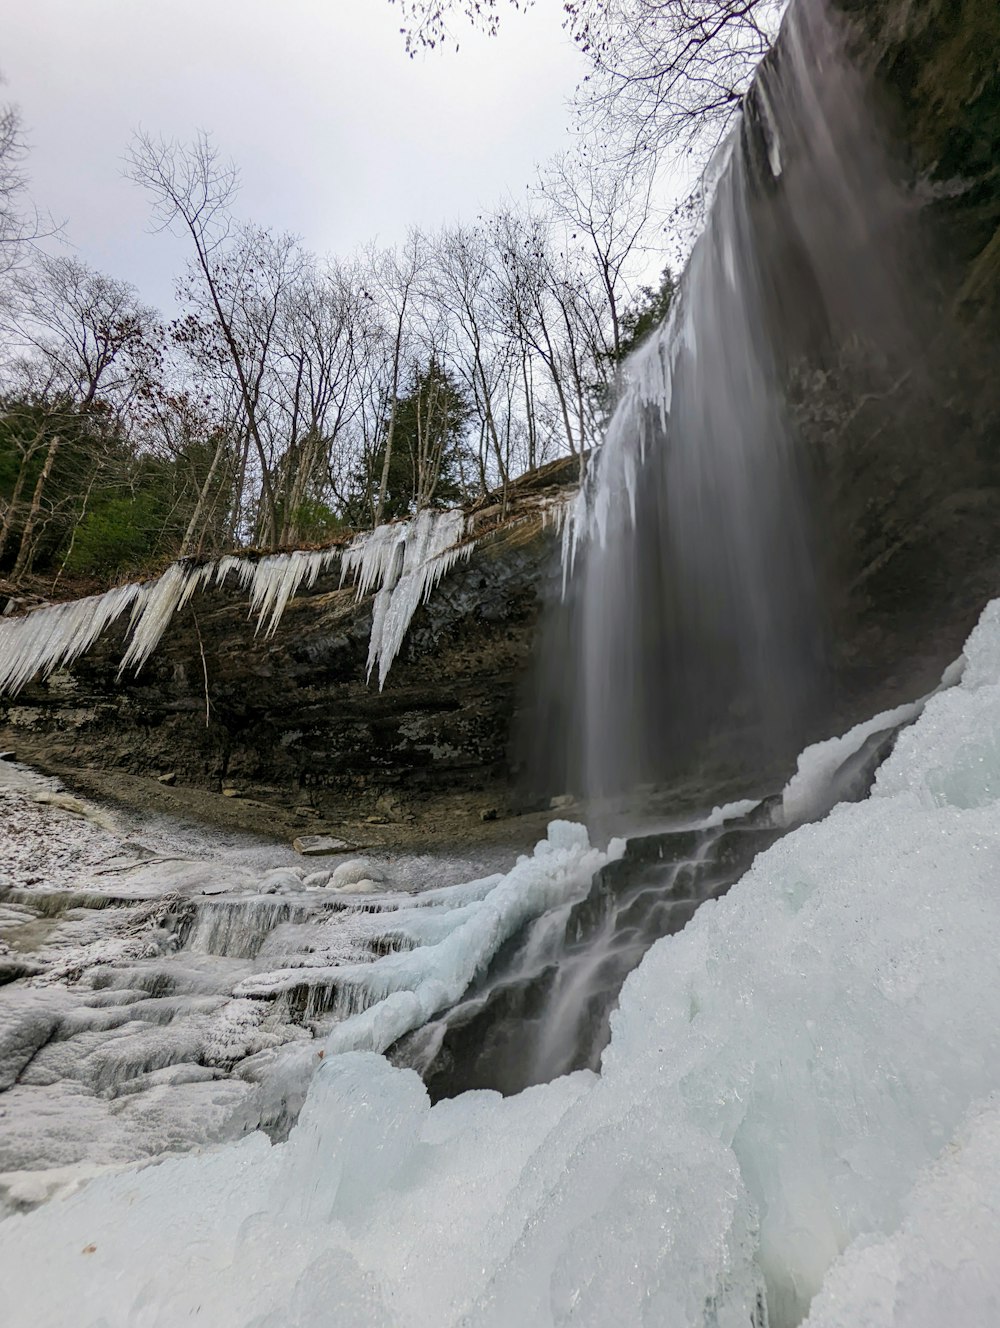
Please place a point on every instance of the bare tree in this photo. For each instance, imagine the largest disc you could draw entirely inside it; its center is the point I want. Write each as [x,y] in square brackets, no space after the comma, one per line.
[394,279]
[670,72]
[87,347]
[607,209]
[461,281]
[192,190]
[662,71]
[325,332]
[21,224]
[89,328]
[554,305]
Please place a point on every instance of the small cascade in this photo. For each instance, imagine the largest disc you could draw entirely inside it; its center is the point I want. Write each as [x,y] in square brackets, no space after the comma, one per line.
[432,947]
[403,561]
[236,928]
[543,1007]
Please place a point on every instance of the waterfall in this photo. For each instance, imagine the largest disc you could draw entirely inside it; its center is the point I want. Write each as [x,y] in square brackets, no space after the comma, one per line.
[695,589]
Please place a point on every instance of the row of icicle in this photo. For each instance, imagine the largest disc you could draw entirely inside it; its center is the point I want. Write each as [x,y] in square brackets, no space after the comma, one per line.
[403,562]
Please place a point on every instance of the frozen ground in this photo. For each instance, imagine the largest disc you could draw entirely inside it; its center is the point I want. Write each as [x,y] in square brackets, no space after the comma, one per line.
[797,1118]
[165,988]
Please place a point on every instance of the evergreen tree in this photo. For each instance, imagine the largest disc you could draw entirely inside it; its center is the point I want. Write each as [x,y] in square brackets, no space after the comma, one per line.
[647,311]
[428,444]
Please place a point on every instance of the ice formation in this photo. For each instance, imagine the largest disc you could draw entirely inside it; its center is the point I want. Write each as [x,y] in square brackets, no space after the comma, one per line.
[405,561]
[444,939]
[56,635]
[812,790]
[939,1266]
[790,1113]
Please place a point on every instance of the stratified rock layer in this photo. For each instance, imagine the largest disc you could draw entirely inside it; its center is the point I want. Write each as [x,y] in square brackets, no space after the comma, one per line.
[292,719]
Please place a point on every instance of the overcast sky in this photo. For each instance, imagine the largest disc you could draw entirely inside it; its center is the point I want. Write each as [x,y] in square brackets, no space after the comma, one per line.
[339,136]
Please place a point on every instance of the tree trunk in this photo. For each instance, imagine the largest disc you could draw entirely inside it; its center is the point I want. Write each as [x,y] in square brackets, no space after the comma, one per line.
[25,553]
[199,506]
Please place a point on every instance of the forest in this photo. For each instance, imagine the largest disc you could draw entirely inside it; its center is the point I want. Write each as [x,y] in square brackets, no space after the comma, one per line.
[290,396]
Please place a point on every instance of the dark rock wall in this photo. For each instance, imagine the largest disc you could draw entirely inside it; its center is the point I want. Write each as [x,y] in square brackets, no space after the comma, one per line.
[907,454]
[292,720]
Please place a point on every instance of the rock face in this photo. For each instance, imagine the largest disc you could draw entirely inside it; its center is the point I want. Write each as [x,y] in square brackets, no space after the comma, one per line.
[907,456]
[291,720]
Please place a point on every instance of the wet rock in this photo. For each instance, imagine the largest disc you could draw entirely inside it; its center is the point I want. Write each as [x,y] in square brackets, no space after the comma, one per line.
[314,846]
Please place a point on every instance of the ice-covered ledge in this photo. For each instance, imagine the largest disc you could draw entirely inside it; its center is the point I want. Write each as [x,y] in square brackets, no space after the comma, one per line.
[401,562]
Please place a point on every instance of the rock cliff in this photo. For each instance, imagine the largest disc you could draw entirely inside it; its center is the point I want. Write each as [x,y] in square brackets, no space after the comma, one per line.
[291,722]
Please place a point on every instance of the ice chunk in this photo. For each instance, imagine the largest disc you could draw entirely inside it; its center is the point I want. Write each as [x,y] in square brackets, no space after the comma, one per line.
[153,608]
[940,1266]
[810,791]
[356,869]
[813,789]
[279,576]
[363,886]
[730,811]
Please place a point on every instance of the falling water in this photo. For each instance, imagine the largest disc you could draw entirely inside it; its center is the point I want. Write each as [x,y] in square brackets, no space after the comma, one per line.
[693,570]
[696,594]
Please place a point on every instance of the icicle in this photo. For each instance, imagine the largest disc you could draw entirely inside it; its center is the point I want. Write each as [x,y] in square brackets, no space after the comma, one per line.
[769,125]
[613,473]
[231,563]
[375,558]
[277,577]
[57,634]
[405,560]
[155,605]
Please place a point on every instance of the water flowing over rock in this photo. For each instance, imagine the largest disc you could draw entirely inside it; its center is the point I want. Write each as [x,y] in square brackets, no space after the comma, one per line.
[791,508]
